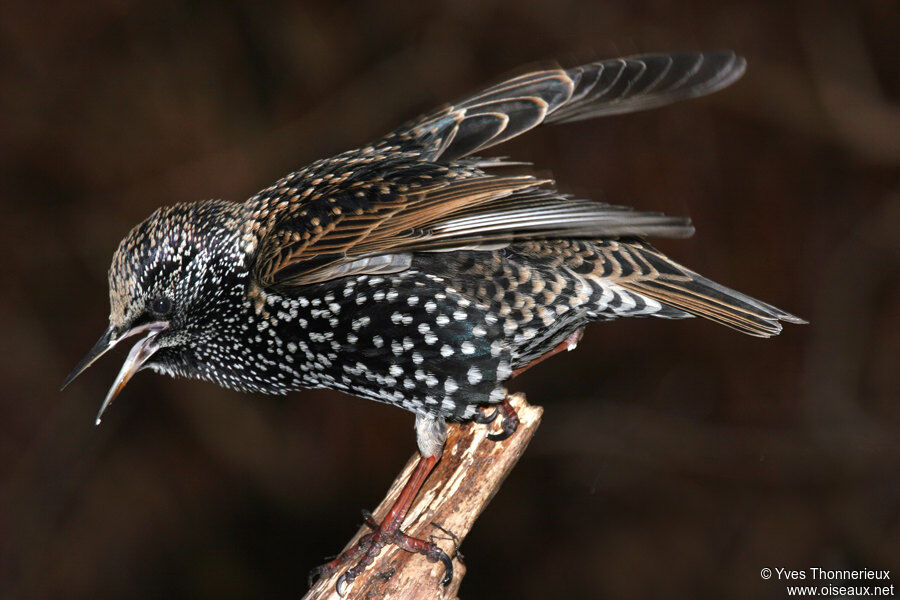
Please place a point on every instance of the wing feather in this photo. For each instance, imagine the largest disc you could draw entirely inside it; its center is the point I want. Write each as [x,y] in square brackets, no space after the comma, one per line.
[641,268]
[415,191]
[560,95]
[485,211]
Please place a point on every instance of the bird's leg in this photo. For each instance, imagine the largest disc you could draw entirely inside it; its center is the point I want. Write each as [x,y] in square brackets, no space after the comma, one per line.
[431,434]
[570,343]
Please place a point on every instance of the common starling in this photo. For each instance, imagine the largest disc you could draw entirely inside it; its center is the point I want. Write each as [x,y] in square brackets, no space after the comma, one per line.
[413,272]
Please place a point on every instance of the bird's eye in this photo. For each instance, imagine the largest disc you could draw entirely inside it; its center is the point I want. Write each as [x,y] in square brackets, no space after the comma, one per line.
[161,306]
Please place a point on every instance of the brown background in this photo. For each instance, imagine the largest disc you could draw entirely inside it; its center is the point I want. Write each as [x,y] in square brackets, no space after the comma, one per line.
[676,459]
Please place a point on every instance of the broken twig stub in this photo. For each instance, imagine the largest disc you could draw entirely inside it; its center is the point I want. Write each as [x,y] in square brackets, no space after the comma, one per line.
[470,472]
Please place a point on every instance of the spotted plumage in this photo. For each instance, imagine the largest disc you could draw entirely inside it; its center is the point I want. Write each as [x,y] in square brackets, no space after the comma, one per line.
[413,272]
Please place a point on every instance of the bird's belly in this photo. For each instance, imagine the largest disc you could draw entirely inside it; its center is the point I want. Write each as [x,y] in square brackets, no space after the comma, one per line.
[409,339]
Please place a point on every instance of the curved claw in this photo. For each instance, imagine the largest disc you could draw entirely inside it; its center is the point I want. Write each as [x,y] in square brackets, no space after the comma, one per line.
[502,435]
[342,581]
[448,568]
[508,423]
[315,575]
[485,419]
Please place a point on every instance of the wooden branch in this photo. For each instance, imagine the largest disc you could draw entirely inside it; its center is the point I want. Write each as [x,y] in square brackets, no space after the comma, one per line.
[470,472]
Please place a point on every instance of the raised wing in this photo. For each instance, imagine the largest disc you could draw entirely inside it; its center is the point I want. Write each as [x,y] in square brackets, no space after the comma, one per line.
[598,89]
[367,211]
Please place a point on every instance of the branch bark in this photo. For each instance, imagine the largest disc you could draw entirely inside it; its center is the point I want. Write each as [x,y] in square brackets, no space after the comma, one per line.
[470,472]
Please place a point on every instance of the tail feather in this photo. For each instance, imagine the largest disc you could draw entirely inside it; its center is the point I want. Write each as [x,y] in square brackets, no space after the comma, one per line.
[638,267]
[704,298]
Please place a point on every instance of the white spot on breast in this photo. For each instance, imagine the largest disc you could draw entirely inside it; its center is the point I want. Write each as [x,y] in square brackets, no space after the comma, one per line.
[467,347]
[509,326]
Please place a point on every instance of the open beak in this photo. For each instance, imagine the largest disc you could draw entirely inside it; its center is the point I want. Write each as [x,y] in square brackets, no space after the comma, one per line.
[138,355]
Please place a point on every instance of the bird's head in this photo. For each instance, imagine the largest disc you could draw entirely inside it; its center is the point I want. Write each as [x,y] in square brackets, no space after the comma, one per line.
[167,277]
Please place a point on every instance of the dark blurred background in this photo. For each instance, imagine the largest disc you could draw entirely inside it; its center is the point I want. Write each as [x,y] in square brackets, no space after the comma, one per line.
[676,459]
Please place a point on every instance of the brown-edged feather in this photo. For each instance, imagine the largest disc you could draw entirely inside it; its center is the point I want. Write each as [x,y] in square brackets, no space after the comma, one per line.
[638,267]
[467,212]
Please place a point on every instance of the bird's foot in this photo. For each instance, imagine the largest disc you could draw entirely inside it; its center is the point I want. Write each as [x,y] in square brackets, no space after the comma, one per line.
[509,420]
[368,547]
